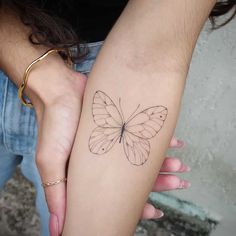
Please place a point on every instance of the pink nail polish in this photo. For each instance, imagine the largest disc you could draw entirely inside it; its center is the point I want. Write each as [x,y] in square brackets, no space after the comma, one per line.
[184,184]
[188,168]
[158,214]
[184,168]
[54,225]
[180,143]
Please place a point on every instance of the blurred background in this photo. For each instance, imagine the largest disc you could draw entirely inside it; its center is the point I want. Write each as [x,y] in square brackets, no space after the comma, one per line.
[207,124]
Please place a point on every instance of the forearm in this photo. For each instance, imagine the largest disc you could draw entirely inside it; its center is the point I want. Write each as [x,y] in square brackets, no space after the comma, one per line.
[17,52]
[144,61]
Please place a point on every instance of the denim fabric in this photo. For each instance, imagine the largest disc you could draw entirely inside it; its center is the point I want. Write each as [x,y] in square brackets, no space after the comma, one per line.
[18,135]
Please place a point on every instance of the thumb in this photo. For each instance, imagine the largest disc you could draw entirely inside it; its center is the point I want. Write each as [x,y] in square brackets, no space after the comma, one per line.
[57,125]
[56,199]
[54,183]
[51,159]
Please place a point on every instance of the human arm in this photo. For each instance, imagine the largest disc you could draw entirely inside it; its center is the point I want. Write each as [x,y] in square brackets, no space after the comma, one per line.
[51,85]
[144,60]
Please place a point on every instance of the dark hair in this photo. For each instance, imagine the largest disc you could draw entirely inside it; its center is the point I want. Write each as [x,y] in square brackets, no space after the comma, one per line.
[221,8]
[53,31]
[46,29]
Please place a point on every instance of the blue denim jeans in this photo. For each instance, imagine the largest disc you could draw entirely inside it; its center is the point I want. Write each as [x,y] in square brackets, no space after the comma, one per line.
[18,135]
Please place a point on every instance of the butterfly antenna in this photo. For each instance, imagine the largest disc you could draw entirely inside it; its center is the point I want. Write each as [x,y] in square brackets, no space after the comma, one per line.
[132,113]
[121,110]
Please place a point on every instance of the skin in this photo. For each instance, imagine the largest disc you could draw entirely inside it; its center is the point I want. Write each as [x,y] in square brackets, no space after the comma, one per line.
[54,102]
[152,44]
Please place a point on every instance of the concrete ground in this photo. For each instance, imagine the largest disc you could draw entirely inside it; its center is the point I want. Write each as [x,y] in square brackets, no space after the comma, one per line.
[17,212]
[18,216]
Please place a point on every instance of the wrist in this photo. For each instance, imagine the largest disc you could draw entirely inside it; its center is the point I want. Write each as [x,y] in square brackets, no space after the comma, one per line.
[51,81]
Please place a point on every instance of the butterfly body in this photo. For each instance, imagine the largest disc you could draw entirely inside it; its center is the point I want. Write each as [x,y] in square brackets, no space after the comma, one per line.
[122,132]
[134,132]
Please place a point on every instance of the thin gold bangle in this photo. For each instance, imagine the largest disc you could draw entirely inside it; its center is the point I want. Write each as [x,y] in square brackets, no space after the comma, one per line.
[29,68]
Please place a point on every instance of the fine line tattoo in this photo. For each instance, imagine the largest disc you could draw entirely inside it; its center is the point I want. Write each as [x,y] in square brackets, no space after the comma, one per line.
[133,132]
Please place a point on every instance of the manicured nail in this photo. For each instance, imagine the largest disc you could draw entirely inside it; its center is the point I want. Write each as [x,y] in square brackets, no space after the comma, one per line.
[158,214]
[184,168]
[184,184]
[188,168]
[180,143]
[54,225]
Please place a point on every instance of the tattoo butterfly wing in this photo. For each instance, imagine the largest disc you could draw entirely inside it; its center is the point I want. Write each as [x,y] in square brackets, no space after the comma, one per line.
[136,149]
[102,139]
[109,121]
[139,129]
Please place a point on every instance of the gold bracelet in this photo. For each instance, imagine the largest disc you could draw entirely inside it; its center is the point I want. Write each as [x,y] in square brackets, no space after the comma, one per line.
[29,68]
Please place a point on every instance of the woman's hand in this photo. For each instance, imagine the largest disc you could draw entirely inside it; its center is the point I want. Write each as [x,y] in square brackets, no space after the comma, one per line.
[57,101]
[166,182]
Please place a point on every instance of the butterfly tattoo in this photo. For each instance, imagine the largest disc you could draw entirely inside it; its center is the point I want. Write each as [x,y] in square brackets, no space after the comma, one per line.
[134,132]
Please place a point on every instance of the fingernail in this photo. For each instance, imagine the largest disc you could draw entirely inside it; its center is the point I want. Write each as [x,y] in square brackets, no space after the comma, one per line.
[184,168]
[188,168]
[180,143]
[158,214]
[184,184]
[54,225]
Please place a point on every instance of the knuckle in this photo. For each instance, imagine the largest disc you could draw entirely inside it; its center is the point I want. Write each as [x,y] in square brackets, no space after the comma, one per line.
[40,162]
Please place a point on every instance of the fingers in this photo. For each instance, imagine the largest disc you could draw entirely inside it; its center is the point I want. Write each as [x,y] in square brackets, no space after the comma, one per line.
[150,212]
[175,143]
[166,182]
[172,164]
